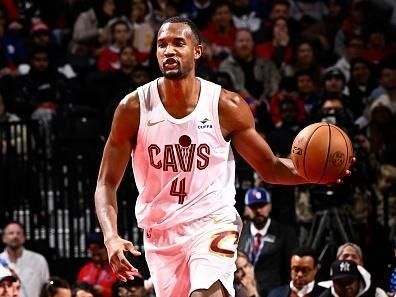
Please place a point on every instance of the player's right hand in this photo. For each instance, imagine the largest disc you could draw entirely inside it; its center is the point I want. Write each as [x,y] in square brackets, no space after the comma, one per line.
[116,247]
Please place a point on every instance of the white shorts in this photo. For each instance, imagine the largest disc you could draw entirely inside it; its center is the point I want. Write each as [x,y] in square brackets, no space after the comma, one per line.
[194,255]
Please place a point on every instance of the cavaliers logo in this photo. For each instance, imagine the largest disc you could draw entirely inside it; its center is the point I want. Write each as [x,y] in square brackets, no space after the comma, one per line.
[337,159]
[224,243]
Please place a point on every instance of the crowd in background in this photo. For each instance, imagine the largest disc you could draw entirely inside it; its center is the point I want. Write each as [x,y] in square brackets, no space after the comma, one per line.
[294,62]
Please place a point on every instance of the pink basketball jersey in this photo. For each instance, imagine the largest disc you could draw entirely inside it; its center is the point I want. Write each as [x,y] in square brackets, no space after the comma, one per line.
[184,169]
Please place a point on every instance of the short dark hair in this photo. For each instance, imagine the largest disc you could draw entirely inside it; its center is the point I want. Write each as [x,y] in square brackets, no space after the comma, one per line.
[14,222]
[303,251]
[186,21]
[280,2]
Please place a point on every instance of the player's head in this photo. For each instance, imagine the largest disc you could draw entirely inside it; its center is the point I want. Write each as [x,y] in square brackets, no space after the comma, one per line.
[178,47]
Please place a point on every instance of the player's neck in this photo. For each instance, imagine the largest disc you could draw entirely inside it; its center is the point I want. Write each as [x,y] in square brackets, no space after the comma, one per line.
[182,92]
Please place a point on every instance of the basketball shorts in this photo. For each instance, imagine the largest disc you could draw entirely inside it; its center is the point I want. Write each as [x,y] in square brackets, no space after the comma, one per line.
[194,255]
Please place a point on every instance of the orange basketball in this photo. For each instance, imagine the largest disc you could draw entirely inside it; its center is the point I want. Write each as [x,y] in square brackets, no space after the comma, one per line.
[321,153]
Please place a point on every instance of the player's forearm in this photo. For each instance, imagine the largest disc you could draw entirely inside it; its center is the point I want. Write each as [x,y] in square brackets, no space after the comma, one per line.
[284,172]
[106,211]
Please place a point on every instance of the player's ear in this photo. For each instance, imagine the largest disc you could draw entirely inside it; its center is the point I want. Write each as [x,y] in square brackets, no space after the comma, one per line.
[198,51]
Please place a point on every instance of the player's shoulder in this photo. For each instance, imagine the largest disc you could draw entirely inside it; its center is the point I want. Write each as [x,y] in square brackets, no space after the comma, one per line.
[130,102]
[230,100]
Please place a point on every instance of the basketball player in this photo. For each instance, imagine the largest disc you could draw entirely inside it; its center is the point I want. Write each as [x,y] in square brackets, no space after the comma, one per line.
[178,129]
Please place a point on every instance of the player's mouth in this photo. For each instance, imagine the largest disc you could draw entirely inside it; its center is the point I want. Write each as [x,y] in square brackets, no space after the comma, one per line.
[170,63]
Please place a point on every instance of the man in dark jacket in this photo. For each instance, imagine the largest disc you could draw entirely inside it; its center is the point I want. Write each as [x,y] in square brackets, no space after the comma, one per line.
[304,267]
[267,243]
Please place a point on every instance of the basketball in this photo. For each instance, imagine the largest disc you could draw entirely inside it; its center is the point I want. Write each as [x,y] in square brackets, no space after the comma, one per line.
[321,153]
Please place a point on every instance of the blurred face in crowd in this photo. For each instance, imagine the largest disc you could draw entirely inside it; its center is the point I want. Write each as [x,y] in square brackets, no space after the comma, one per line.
[140,77]
[109,7]
[40,62]
[97,253]
[127,57]
[305,54]
[280,27]
[289,113]
[222,16]
[334,85]
[360,74]
[242,265]
[305,84]
[388,79]
[332,104]
[350,253]
[122,34]
[381,116]
[280,11]
[346,286]
[354,49]
[335,9]
[243,45]
[10,288]
[260,214]
[303,270]
[377,40]
[13,236]
[139,10]
[41,38]
[357,14]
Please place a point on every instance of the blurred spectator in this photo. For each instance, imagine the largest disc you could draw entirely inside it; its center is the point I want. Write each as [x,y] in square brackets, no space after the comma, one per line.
[308,11]
[244,281]
[143,29]
[134,287]
[40,36]
[333,83]
[278,49]
[82,289]
[56,287]
[385,189]
[42,88]
[304,58]
[281,138]
[253,77]
[12,49]
[280,9]
[352,252]
[31,267]
[244,17]
[267,243]
[354,48]
[197,11]
[97,271]
[350,279]
[360,86]
[7,117]
[378,44]
[388,83]
[307,88]
[120,35]
[89,29]
[353,25]
[303,267]
[9,284]
[287,90]
[220,32]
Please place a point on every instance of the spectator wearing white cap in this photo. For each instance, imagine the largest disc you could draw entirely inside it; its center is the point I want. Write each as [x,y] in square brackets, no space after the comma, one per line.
[267,243]
[9,283]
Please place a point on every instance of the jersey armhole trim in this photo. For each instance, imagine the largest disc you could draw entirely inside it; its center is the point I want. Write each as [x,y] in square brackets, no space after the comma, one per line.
[142,127]
[216,98]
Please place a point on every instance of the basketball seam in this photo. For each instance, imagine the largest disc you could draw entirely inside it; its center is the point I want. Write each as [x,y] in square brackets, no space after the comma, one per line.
[306,146]
[347,146]
[327,155]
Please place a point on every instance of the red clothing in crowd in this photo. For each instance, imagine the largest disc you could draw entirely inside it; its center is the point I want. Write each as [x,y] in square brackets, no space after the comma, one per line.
[11,9]
[98,275]
[109,59]
[266,51]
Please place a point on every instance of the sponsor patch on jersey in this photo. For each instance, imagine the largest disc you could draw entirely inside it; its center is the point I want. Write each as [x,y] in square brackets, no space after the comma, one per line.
[205,124]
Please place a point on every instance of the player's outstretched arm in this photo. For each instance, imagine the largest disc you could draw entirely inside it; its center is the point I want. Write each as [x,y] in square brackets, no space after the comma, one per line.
[115,158]
[237,123]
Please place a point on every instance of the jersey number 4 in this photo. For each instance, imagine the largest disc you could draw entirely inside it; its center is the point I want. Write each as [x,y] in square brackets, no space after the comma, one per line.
[181,192]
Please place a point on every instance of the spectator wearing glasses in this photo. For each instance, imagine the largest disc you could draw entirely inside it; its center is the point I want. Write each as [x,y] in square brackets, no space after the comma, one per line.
[303,271]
